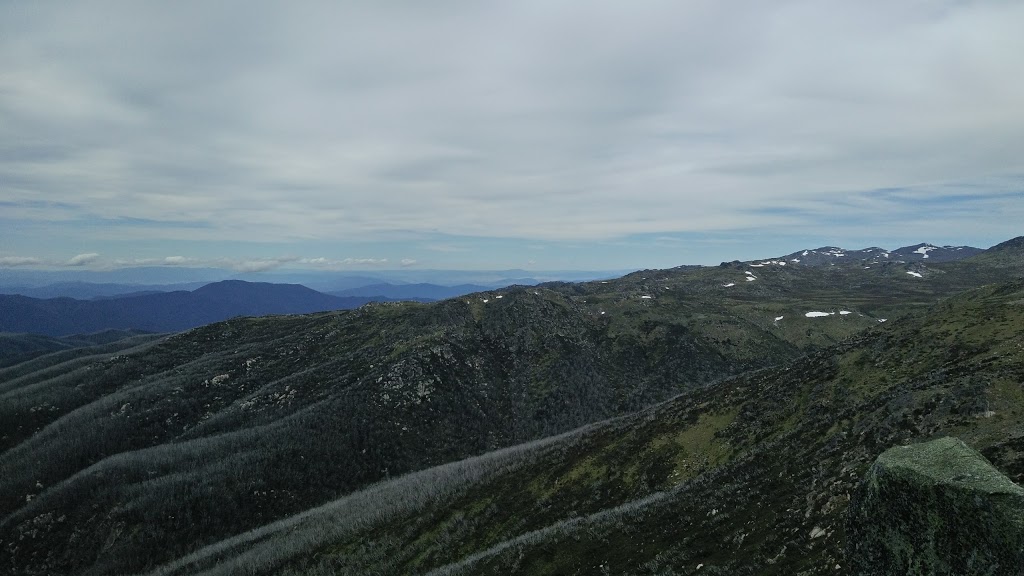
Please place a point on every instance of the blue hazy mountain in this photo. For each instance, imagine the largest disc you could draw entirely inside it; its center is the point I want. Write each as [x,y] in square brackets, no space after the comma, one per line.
[91,290]
[165,311]
[420,291]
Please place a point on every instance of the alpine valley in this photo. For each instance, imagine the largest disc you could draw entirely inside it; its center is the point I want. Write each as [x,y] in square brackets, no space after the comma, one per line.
[696,420]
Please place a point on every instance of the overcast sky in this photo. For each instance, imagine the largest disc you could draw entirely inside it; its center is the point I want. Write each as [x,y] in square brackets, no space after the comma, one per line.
[526,134]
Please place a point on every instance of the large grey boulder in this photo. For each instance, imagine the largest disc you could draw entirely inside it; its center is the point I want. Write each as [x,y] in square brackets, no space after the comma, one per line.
[936,508]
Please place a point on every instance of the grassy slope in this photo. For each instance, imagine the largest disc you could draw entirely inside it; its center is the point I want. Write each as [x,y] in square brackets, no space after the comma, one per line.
[20,348]
[115,462]
[750,476]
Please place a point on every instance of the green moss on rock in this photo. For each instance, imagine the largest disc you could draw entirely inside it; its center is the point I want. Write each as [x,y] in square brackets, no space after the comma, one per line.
[936,508]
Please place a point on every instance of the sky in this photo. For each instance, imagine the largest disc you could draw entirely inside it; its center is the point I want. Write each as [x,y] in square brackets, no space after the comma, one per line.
[534,134]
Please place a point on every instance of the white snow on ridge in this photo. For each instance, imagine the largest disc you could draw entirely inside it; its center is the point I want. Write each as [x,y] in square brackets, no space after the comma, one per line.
[777,318]
[818,314]
[729,285]
[748,272]
[915,274]
[844,312]
[924,250]
[797,260]
[882,319]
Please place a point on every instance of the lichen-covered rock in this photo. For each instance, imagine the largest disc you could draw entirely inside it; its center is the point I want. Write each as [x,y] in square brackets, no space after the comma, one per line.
[936,508]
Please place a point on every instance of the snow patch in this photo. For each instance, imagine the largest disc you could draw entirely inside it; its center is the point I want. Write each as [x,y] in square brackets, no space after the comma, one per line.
[914,274]
[647,297]
[777,318]
[751,278]
[844,312]
[729,285]
[924,250]
[818,314]
[499,296]
[797,260]
[882,319]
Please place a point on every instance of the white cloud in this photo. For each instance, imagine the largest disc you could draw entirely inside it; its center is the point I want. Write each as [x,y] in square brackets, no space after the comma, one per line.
[13,261]
[82,259]
[527,119]
[406,262]
[338,264]
[262,264]
[177,261]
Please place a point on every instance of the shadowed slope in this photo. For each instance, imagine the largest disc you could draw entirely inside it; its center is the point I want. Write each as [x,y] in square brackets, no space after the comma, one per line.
[750,476]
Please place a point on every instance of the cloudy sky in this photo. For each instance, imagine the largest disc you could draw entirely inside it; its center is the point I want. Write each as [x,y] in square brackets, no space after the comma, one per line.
[528,134]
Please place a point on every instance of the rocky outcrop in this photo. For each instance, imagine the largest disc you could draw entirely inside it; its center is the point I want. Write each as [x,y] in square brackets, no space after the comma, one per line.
[936,508]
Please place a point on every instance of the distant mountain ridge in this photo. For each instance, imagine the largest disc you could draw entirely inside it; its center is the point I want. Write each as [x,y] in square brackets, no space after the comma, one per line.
[165,311]
[831,255]
[420,291]
[81,290]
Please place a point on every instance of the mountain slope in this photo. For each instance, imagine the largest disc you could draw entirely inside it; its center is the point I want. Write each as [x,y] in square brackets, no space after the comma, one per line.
[114,463]
[750,476]
[164,312]
[16,348]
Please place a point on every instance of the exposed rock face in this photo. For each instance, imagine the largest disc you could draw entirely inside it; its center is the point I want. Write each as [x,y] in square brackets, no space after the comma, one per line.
[936,508]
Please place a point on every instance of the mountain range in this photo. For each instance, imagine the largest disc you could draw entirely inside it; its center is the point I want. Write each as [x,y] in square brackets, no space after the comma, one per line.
[710,419]
[164,311]
[831,255]
[420,291]
[86,284]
